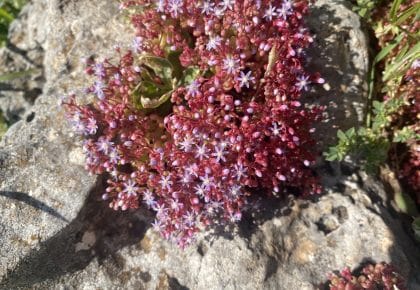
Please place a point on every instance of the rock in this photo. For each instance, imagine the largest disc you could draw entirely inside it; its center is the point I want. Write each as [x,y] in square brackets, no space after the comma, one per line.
[23,54]
[291,244]
[56,233]
[43,185]
[340,54]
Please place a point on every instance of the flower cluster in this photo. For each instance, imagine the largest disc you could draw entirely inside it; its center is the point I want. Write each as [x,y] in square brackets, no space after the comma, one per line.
[380,276]
[202,110]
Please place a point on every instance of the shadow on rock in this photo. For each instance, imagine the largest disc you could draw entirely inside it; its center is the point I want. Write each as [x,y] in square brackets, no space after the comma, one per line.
[340,54]
[26,198]
[400,225]
[60,254]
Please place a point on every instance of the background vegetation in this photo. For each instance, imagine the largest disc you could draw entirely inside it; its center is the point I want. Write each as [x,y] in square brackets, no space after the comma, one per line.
[9,9]
[390,138]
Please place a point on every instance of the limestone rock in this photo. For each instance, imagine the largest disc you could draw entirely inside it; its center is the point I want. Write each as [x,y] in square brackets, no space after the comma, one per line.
[340,54]
[23,54]
[56,234]
[43,184]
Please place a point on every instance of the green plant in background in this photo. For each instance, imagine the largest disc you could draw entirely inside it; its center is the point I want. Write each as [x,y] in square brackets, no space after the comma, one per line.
[372,142]
[407,205]
[9,9]
[365,8]
[392,112]
[3,125]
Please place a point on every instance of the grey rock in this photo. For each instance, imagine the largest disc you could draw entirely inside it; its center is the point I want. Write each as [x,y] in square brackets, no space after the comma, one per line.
[340,54]
[43,184]
[14,106]
[23,53]
[289,244]
[56,234]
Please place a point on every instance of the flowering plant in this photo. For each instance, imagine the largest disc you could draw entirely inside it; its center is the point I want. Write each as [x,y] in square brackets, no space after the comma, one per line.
[203,109]
[379,276]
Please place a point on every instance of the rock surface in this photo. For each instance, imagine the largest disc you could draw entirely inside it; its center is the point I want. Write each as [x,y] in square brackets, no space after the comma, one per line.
[23,53]
[55,234]
[340,53]
[42,182]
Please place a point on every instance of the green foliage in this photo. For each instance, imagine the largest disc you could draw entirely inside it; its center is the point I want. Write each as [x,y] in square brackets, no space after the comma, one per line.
[346,143]
[364,144]
[9,9]
[16,75]
[402,62]
[370,145]
[189,75]
[372,142]
[365,8]
[416,228]
[160,77]
[405,203]
[157,82]
[405,135]
[3,125]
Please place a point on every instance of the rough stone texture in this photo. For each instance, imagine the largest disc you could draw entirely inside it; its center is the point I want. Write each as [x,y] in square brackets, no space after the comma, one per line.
[286,245]
[340,53]
[43,184]
[22,53]
[55,234]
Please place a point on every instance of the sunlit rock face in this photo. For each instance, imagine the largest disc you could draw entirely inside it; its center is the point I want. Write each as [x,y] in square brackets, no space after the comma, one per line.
[56,232]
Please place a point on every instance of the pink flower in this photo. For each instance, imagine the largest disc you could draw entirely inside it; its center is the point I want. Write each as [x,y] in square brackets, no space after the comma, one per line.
[229,122]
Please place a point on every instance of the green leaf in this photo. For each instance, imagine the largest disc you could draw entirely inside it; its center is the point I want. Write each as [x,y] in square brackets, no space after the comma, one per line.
[173,58]
[363,12]
[415,9]
[341,136]
[394,9]
[416,228]
[378,107]
[16,75]
[161,66]
[405,134]
[402,62]
[150,90]
[332,154]
[350,133]
[6,15]
[189,75]
[406,204]
[149,103]
[387,49]
[3,125]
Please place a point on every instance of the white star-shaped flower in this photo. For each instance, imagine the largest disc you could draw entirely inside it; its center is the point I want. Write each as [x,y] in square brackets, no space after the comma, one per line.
[214,42]
[275,129]
[207,7]
[130,188]
[201,152]
[245,79]
[270,12]
[175,7]
[219,153]
[166,182]
[230,64]
[227,4]
[302,82]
